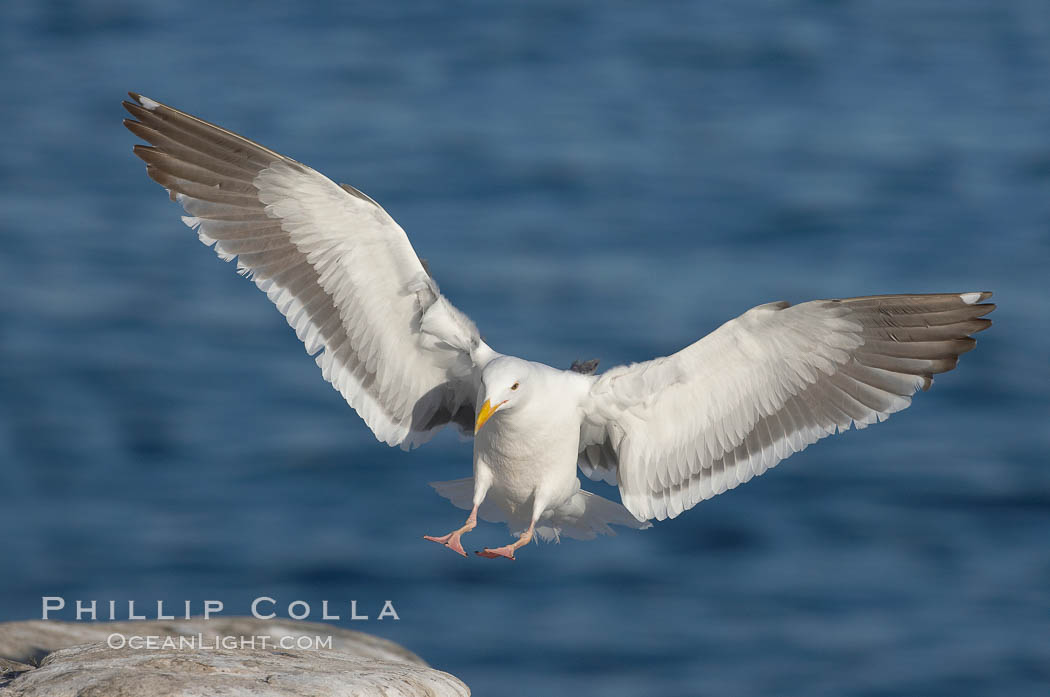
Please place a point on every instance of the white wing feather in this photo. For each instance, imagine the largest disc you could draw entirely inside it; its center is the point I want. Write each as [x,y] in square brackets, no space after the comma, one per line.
[336,265]
[674,431]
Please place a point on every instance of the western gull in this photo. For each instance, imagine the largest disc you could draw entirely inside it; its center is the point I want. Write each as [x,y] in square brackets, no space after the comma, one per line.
[669,432]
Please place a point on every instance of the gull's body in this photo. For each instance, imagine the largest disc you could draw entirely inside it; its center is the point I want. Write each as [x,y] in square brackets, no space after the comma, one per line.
[668,432]
[527,454]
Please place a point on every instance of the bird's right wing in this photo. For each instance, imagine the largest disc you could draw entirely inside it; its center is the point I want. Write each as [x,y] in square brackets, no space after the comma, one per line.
[334,263]
[677,430]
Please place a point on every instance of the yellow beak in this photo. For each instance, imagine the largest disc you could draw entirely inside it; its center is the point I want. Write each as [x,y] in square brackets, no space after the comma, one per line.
[487,410]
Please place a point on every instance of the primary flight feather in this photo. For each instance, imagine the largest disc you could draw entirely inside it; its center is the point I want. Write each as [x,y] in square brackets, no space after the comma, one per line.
[669,432]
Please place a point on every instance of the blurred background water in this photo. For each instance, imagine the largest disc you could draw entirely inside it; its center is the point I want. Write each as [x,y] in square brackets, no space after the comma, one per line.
[606,180]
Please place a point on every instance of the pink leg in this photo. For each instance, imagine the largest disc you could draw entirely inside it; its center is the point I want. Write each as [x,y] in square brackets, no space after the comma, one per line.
[507,551]
[451,540]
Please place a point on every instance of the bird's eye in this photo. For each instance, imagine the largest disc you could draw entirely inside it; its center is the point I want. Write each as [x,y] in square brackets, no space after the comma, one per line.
[514,386]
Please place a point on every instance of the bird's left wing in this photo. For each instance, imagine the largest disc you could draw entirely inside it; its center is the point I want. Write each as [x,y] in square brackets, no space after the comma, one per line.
[677,430]
[335,264]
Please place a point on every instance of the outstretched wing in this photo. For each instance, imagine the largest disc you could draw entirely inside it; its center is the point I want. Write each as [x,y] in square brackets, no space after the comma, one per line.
[334,263]
[674,431]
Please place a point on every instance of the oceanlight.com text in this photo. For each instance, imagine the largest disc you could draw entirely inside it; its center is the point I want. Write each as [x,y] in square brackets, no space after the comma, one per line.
[200,642]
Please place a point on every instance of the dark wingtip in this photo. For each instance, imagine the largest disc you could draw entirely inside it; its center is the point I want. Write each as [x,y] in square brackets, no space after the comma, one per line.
[133,108]
[143,152]
[585,367]
[130,124]
[984,324]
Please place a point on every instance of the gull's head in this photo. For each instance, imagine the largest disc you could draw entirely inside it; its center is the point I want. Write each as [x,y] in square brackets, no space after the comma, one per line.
[504,381]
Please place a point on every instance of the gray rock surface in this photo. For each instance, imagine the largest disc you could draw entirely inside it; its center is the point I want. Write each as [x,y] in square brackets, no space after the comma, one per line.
[9,670]
[76,658]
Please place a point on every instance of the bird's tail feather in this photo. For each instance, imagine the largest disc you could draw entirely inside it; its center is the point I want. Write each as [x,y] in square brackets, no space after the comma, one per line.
[461,493]
[583,517]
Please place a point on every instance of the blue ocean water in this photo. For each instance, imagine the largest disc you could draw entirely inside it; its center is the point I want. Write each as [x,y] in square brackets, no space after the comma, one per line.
[608,180]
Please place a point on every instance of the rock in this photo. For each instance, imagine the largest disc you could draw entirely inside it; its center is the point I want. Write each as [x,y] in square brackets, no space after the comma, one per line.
[76,658]
[9,670]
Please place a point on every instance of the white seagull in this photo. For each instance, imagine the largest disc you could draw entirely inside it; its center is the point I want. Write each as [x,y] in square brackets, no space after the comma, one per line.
[669,432]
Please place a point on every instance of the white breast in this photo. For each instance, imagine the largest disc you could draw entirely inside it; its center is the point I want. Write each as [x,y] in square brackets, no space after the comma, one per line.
[532,449]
